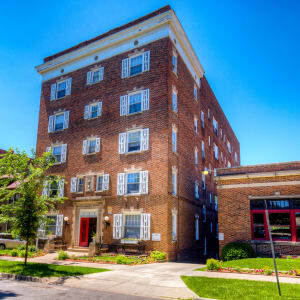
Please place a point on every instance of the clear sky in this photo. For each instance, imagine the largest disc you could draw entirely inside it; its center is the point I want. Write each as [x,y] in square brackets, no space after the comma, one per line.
[250,51]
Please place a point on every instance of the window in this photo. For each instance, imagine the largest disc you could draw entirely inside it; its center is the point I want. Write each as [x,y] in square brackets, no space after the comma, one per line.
[93,110]
[132,226]
[195,92]
[204,213]
[209,140]
[202,119]
[174,140]
[136,64]
[196,156]
[210,198]
[95,75]
[211,227]
[203,181]
[57,153]
[79,187]
[216,151]
[208,113]
[134,141]
[235,157]
[174,226]
[221,133]
[54,189]
[228,164]
[228,146]
[215,126]
[205,247]
[196,124]
[197,228]
[134,102]
[174,63]
[91,146]
[174,181]
[58,122]
[174,100]
[196,189]
[216,203]
[99,186]
[132,183]
[284,217]
[203,149]
[60,89]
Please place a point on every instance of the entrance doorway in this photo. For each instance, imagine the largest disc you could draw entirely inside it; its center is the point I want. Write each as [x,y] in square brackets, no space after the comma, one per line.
[88,227]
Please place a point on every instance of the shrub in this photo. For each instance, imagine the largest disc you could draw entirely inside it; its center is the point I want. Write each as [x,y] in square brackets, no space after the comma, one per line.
[21,253]
[14,252]
[62,255]
[31,248]
[21,247]
[237,250]
[157,255]
[267,271]
[213,264]
[122,260]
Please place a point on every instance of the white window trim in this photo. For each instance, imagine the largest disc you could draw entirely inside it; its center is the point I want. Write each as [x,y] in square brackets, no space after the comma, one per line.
[195,94]
[54,121]
[57,83]
[126,183]
[175,172]
[174,225]
[175,92]
[128,100]
[127,139]
[175,70]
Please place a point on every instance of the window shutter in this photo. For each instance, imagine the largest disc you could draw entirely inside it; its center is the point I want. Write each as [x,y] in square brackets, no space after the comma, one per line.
[61,185]
[97,148]
[145,227]
[84,147]
[117,230]
[101,73]
[99,112]
[53,91]
[87,111]
[125,68]
[73,188]
[63,153]
[51,123]
[121,184]
[123,105]
[89,77]
[45,191]
[59,225]
[48,149]
[105,182]
[68,86]
[145,139]
[144,182]
[145,99]
[122,142]
[66,119]
[146,61]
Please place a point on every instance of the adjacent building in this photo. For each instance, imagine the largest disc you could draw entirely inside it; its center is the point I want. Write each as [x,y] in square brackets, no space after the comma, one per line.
[133,123]
[244,194]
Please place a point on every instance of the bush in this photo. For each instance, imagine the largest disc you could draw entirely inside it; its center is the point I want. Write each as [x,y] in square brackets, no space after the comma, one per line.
[21,247]
[62,255]
[31,248]
[21,253]
[213,264]
[14,252]
[157,255]
[267,271]
[237,250]
[122,260]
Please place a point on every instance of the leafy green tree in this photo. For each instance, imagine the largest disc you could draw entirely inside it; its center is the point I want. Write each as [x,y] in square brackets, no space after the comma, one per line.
[25,204]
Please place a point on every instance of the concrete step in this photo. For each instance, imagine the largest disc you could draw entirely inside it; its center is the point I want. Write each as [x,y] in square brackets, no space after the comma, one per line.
[79,249]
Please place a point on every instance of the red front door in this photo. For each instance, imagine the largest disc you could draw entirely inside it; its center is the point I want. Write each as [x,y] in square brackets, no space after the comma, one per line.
[84,232]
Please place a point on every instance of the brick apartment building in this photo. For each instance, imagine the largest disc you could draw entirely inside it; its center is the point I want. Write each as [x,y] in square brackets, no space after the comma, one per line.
[242,192]
[133,122]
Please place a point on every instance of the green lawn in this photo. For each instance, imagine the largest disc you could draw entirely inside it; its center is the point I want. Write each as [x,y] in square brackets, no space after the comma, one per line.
[220,288]
[45,270]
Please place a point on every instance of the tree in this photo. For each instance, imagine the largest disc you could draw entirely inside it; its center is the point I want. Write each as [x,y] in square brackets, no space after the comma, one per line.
[24,206]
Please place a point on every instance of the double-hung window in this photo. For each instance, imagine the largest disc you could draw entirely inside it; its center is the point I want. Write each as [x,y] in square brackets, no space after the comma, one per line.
[235,157]
[136,64]
[196,189]
[215,126]
[80,183]
[174,100]
[196,124]
[174,140]
[203,180]
[174,225]
[216,151]
[204,213]
[91,146]
[203,149]
[132,183]
[59,152]
[197,228]
[174,63]
[135,102]
[228,147]
[93,110]
[195,93]
[202,119]
[196,156]
[61,89]
[95,75]
[58,122]
[134,141]
[132,226]
[174,181]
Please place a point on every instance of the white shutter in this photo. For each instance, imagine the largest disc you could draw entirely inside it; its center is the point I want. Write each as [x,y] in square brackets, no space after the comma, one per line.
[89,77]
[122,142]
[99,112]
[48,149]
[105,182]
[123,105]
[101,73]
[61,186]
[45,191]
[51,123]
[63,153]
[87,112]
[146,61]
[97,148]
[84,147]
[117,230]
[125,68]
[66,119]
[121,184]
[145,99]
[68,86]
[145,227]
[53,91]
[59,225]
[145,139]
[144,182]
[73,187]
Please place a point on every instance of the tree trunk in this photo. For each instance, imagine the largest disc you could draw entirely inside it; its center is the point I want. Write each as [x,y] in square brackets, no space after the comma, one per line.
[26,253]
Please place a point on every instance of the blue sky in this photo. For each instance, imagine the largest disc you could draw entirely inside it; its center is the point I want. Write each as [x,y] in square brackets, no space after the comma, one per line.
[249,50]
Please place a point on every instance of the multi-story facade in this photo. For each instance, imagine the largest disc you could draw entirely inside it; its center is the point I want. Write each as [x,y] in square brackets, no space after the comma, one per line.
[133,123]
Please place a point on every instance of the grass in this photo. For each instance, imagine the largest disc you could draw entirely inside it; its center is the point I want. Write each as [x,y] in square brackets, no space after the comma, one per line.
[220,288]
[283,264]
[45,270]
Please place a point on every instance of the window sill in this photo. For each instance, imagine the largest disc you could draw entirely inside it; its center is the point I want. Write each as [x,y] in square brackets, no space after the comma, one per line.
[93,118]
[77,193]
[135,152]
[133,194]
[57,163]
[57,131]
[92,83]
[88,154]
[133,114]
[100,191]
[281,243]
